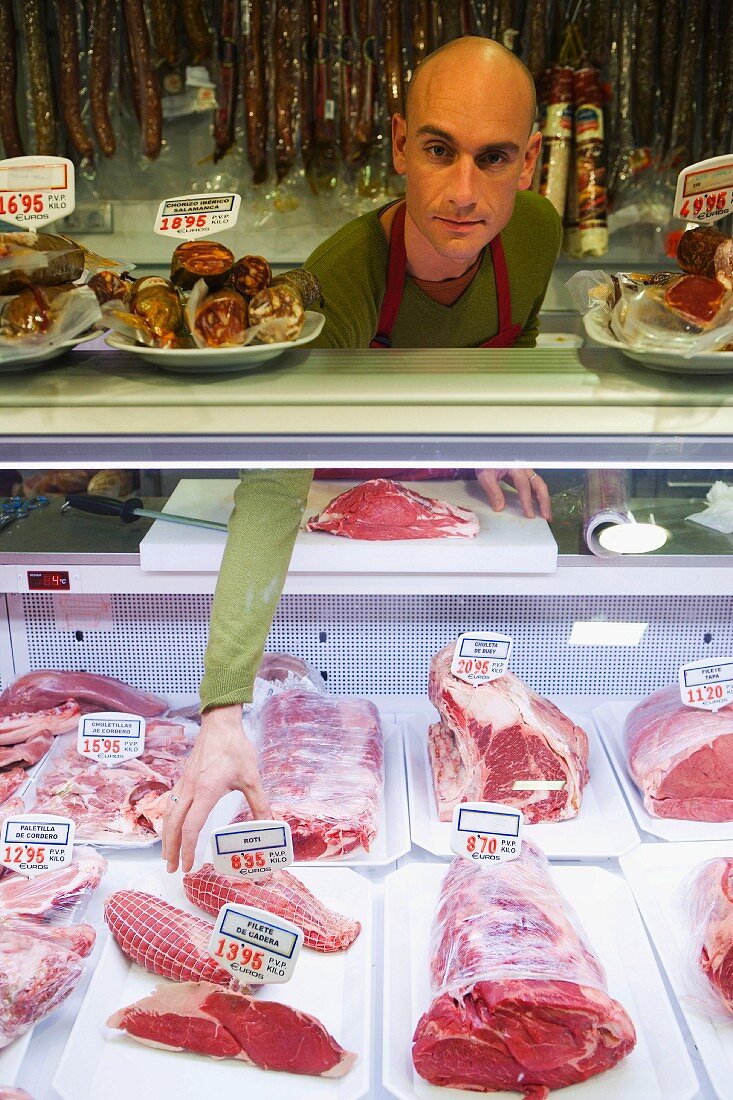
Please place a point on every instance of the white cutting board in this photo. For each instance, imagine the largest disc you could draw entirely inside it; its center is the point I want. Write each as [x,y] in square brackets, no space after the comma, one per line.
[508,542]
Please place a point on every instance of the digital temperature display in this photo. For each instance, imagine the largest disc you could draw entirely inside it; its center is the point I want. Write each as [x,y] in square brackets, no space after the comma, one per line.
[47,580]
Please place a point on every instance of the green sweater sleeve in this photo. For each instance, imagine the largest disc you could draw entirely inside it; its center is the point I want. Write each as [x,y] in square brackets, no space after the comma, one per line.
[268,507]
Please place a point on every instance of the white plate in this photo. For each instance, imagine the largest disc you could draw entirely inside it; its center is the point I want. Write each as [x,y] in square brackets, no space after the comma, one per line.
[609,719]
[655,872]
[658,1067]
[34,358]
[718,362]
[393,835]
[211,360]
[603,828]
[335,988]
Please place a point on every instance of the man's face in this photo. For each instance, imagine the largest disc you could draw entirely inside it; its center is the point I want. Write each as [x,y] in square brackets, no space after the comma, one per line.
[465,152]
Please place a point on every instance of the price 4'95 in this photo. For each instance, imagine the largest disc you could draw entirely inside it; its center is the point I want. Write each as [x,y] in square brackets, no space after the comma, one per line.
[711,202]
[705,694]
[14,204]
[22,853]
[238,952]
[190,221]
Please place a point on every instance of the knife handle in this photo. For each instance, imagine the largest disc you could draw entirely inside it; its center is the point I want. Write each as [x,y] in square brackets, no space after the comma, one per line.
[105,506]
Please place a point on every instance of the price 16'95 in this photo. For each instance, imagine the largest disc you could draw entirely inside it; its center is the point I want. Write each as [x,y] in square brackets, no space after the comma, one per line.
[705,694]
[102,744]
[21,853]
[190,221]
[13,204]
[238,952]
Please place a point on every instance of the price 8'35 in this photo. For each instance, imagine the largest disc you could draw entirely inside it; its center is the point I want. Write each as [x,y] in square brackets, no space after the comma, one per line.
[250,848]
[487,832]
[707,685]
[110,737]
[256,947]
[33,844]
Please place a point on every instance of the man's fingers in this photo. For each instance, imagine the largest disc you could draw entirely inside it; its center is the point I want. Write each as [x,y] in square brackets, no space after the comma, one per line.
[489,482]
[172,826]
[542,494]
[198,811]
[254,792]
[524,491]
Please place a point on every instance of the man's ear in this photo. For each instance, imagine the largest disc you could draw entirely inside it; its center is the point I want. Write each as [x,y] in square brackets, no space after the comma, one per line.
[399,137]
[534,146]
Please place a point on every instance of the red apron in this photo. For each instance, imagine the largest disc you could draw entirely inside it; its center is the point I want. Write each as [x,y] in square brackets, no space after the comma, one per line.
[397,269]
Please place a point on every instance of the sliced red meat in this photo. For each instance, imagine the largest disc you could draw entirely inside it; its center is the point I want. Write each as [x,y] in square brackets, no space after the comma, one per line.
[710,893]
[681,758]
[496,734]
[26,752]
[46,894]
[45,688]
[383,510]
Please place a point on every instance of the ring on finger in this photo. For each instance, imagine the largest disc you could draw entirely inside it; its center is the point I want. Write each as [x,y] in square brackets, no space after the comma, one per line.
[532,477]
[175,798]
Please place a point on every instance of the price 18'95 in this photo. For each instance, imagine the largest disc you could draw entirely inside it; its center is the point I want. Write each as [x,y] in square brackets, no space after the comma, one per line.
[102,744]
[238,952]
[14,204]
[22,853]
[189,221]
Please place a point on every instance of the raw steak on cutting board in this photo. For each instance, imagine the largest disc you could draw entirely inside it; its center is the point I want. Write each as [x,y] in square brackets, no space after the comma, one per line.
[205,1019]
[384,510]
[322,765]
[493,735]
[280,893]
[519,999]
[708,893]
[681,758]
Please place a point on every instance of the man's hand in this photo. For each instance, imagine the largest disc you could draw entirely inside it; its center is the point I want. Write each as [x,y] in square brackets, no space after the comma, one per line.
[526,482]
[223,759]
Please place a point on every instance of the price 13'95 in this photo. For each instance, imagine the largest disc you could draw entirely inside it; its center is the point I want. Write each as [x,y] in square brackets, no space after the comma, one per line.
[239,952]
[189,221]
[22,853]
[102,744]
[705,694]
[14,204]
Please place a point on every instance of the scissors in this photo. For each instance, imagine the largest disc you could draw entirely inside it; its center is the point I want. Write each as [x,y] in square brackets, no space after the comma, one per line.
[18,508]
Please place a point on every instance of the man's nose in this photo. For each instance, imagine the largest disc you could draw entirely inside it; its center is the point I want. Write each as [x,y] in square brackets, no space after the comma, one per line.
[463,182]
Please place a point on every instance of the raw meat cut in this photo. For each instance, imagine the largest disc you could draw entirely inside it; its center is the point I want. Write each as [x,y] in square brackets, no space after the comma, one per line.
[49,893]
[322,764]
[280,893]
[79,938]
[48,687]
[161,938]
[205,1019]
[494,735]
[119,806]
[26,752]
[10,781]
[7,1093]
[385,510]
[681,758]
[709,892]
[35,976]
[15,728]
[519,999]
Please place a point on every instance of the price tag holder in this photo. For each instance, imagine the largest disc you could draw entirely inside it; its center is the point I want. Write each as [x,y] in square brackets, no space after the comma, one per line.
[707,685]
[255,946]
[36,190]
[705,190]
[481,656]
[251,848]
[110,737]
[487,832]
[33,844]
[192,216]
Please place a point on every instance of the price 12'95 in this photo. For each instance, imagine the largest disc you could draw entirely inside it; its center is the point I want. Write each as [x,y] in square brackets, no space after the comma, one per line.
[23,853]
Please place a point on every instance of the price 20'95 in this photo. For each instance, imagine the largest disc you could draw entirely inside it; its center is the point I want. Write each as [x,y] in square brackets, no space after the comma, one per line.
[486,845]
[249,860]
[22,853]
[707,694]
[482,667]
[14,204]
[102,744]
[710,202]
[189,221]
[237,952]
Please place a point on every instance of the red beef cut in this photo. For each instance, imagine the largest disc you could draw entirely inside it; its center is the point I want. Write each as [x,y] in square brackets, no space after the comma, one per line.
[496,734]
[710,910]
[381,510]
[519,999]
[681,758]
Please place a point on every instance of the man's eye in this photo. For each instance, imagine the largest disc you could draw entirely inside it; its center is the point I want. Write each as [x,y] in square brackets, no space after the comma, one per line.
[494,160]
[439,151]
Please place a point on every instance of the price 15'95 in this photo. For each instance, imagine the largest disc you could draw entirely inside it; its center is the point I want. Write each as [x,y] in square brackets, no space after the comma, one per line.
[102,744]
[23,853]
[14,204]
[239,952]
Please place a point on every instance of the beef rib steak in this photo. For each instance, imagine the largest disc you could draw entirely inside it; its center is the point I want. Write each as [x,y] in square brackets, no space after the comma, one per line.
[382,510]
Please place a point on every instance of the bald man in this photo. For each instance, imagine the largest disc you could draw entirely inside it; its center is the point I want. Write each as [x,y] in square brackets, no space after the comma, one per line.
[463,261]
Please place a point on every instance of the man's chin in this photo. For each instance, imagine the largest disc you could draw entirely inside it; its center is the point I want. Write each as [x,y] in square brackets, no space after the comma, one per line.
[459,250]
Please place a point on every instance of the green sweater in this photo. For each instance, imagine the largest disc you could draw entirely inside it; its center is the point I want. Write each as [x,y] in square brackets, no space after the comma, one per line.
[269,504]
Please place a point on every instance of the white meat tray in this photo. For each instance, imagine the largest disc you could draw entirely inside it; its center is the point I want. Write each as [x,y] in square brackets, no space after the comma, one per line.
[508,542]
[609,719]
[655,872]
[337,988]
[393,836]
[659,1067]
[603,829]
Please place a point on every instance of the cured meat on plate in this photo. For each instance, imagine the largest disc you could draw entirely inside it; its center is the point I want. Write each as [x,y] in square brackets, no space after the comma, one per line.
[322,765]
[681,758]
[708,893]
[502,742]
[382,509]
[520,1001]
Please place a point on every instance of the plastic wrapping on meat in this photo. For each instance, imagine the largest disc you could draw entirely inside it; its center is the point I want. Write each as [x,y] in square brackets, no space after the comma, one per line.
[42,316]
[280,672]
[590,166]
[520,999]
[50,895]
[557,133]
[681,758]
[322,765]
[706,900]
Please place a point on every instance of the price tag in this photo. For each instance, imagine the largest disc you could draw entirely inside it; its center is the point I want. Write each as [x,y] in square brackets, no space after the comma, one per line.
[707,685]
[481,656]
[36,190]
[32,844]
[251,848]
[487,832]
[192,216]
[111,737]
[705,190]
[254,945]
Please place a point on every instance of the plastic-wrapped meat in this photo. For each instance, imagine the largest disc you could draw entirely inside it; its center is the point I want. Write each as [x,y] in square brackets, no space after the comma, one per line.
[590,163]
[706,251]
[36,975]
[79,938]
[48,894]
[495,740]
[708,898]
[108,287]
[322,765]
[520,1001]
[280,893]
[557,133]
[157,302]
[681,758]
[51,687]
[381,509]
